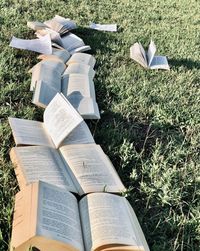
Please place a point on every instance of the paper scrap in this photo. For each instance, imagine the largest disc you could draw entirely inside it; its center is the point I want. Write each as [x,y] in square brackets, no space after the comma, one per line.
[41,45]
[103,27]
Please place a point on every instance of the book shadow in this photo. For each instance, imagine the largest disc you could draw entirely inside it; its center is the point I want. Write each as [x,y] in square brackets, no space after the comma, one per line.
[187,63]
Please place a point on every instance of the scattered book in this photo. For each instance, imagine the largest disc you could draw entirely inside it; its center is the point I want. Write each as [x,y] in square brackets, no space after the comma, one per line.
[61,54]
[148,59]
[47,217]
[41,45]
[80,69]
[60,119]
[70,167]
[82,58]
[103,27]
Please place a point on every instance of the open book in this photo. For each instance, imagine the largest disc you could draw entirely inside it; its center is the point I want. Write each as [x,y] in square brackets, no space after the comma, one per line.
[59,24]
[60,121]
[148,59]
[61,54]
[49,218]
[79,168]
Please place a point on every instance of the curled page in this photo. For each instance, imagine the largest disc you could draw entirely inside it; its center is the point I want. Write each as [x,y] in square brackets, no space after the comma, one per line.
[103,27]
[41,45]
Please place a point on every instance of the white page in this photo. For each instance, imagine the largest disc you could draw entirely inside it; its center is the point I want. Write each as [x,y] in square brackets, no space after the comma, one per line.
[45,164]
[41,45]
[105,220]
[151,52]
[67,23]
[91,168]
[60,118]
[58,216]
[29,132]
[103,27]
[137,54]
[81,69]
[63,55]
[36,25]
[82,58]
[80,135]
[71,41]
[80,49]
[159,62]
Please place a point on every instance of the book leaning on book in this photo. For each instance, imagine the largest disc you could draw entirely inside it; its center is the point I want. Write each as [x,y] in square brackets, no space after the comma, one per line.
[79,168]
[50,218]
[148,59]
[62,123]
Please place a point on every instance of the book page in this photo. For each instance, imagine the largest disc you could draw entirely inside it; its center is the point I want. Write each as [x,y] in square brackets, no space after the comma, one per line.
[36,25]
[41,163]
[82,58]
[91,168]
[159,62]
[80,135]
[80,49]
[67,23]
[105,221]
[137,54]
[81,69]
[58,216]
[151,52]
[41,45]
[43,94]
[103,27]
[60,118]
[63,55]
[29,132]
[47,74]
[71,41]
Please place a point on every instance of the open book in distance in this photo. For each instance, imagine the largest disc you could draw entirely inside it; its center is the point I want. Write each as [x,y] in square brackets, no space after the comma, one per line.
[148,59]
[60,119]
[50,218]
[79,168]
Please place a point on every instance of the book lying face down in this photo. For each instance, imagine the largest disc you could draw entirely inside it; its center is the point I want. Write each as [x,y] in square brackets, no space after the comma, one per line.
[148,59]
[50,218]
[61,123]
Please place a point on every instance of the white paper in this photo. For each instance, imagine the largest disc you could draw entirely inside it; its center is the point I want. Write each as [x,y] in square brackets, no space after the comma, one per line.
[103,27]
[41,45]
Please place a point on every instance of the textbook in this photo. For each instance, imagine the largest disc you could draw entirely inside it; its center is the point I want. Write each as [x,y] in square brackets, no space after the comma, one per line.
[148,59]
[77,88]
[60,119]
[79,168]
[50,218]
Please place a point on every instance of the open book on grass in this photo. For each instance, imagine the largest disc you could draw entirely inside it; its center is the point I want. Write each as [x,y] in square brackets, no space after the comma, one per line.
[50,218]
[77,88]
[79,168]
[148,59]
[60,121]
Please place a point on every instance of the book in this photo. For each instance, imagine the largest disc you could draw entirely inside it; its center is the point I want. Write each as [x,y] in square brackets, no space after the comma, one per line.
[60,119]
[81,69]
[59,24]
[82,58]
[148,59]
[77,88]
[50,218]
[79,168]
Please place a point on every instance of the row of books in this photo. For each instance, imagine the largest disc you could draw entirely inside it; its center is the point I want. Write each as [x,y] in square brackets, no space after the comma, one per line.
[69,195]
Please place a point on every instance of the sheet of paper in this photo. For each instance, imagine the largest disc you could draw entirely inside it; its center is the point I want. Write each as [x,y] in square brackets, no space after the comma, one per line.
[151,52]
[41,45]
[159,62]
[82,58]
[137,54]
[103,27]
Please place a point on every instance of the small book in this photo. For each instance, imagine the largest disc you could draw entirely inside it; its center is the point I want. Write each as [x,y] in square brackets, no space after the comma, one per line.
[79,168]
[50,218]
[148,59]
[60,119]
[77,88]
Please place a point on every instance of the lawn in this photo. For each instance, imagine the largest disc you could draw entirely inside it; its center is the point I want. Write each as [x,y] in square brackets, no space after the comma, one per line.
[150,120]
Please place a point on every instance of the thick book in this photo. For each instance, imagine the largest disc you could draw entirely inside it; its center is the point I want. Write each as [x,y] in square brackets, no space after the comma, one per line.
[148,59]
[50,218]
[79,168]
[77,88]
[61,124]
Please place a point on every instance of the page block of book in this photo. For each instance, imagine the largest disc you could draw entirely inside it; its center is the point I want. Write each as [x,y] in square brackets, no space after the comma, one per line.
[82,58]
[61,54]
[80,69]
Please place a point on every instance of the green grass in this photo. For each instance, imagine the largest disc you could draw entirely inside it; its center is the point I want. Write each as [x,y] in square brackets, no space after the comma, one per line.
[150,120]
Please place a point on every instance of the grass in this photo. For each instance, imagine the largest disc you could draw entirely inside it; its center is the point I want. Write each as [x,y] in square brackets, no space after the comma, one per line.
[150,121]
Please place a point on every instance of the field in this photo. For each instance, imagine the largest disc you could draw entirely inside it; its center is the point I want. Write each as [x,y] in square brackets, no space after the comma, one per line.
[150,120]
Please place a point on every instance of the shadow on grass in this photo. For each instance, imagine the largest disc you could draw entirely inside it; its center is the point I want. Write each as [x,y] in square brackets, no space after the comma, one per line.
[188,63]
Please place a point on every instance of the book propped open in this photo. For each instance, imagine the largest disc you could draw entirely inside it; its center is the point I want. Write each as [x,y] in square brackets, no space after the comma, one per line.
[60,119]
[148,59]
[77,88]
[50,218]
[79,168]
